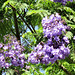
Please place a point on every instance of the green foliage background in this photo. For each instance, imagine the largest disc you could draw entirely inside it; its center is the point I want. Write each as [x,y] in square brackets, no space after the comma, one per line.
[32,12]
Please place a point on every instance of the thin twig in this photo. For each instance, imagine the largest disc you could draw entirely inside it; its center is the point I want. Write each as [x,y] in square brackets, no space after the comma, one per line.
[33,28]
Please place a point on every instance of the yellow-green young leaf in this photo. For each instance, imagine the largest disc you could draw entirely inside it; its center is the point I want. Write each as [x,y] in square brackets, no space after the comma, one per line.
[23,6]
[71,17]
[39,5]
[10,72]
[73,56]
[69,35]
[27,34]
[68,9]
[66,20]
[26,56]
[48,68]
[72,26]
[23,35]
[26,73]
[13,3]
[66,64]
[43,12]
[74,19]
[6,9]
[5,3]
[35,73]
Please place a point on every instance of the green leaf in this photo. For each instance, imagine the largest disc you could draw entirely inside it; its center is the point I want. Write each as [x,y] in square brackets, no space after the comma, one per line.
[73,56]
[23,6]
[71,17]
[66,63]
[68,9]
[74,19]
[35,73]
[66,20]
[48,68]
[72,26]
[13,3]
[69,35]
[26,56]
[10,72]
[4,5]
[26,73]
[41,12]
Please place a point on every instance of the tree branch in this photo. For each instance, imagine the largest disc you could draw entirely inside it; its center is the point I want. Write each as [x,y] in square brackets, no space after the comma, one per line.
[24,13]
[30,24]
[16,25]
[33,28]
[63,68]
[23,20]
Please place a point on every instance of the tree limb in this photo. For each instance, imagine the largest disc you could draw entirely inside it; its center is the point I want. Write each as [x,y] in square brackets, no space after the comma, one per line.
[16,25]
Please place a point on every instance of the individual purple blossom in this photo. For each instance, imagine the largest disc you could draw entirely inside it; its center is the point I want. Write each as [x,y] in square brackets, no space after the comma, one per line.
[45,59]
[2,60]
[1,45]
[5,47]
[7,65]
[57,38]
[66,39]
[74,38]
[22,56]
[27,67]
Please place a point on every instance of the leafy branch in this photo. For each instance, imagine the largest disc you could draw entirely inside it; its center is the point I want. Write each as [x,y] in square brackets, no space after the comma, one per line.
[23,20]
[63,68]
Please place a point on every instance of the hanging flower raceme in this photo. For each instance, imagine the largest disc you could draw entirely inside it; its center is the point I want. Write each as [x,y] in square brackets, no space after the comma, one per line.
[55,47]
[11,53]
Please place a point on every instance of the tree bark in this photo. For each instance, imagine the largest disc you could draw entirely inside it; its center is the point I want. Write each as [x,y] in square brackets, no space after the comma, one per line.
[16,25]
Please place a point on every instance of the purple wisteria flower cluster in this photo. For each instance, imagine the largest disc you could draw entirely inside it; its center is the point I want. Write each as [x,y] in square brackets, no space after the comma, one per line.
[63,1]
[11,53]
[55,47]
